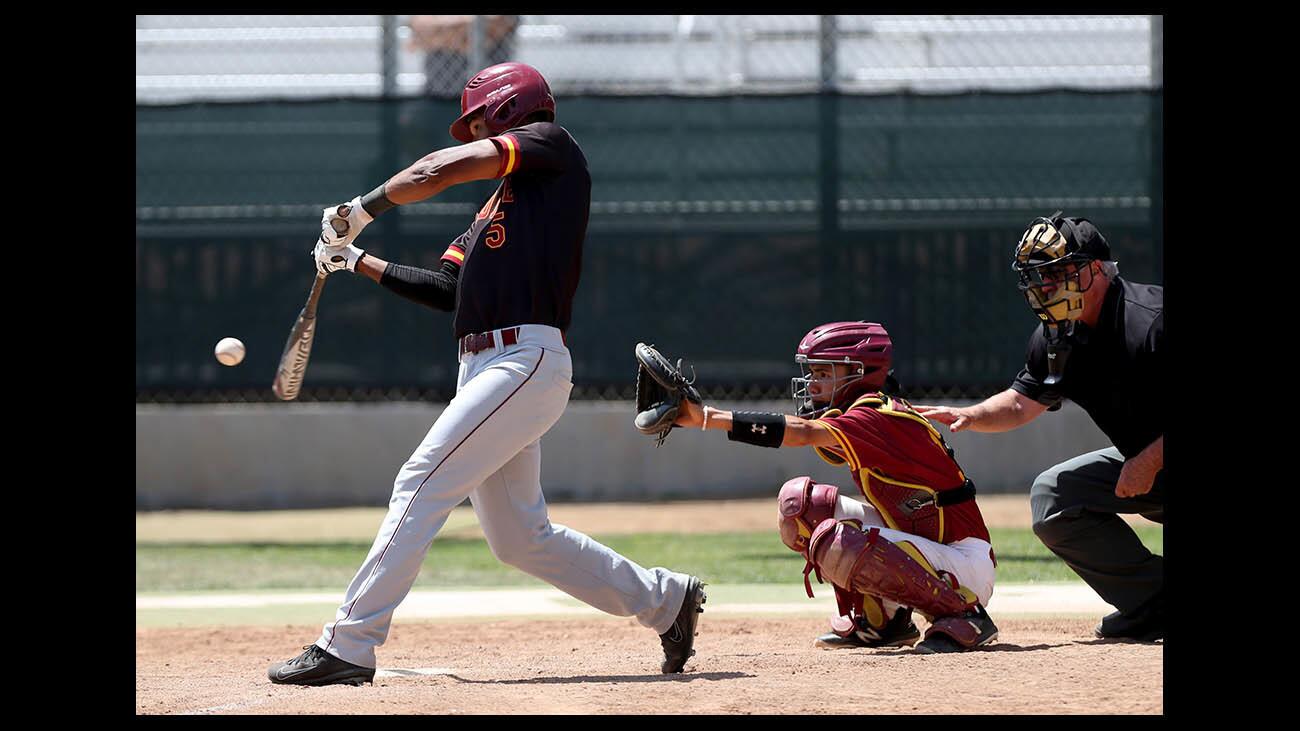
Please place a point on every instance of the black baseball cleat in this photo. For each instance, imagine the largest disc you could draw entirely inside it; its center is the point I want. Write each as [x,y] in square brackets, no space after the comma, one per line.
[317,667]
[899,631]
[679,640]
[982,632]
[1116,626]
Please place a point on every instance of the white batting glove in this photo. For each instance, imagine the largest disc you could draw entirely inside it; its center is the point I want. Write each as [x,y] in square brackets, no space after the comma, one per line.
[329,259]
[341,225]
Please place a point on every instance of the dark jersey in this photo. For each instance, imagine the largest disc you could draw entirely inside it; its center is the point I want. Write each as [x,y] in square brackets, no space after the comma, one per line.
[895,456]
[1114,371]
[523,253]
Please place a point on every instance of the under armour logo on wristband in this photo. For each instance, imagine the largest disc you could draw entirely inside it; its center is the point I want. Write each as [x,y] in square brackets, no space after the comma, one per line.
[758,429]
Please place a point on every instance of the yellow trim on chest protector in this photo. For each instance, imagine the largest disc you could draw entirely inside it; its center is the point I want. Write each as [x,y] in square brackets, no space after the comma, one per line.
[824,452]
[935,436]
[886,405]
[867,472]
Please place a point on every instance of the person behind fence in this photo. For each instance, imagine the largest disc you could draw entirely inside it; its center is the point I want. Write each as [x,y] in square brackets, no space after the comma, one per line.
[510,280]
[445,42]
[1100,345]
[918,542]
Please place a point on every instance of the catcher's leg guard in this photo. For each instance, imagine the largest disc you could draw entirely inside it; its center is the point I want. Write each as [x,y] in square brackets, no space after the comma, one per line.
[972,629]
[869,563]
[803,506]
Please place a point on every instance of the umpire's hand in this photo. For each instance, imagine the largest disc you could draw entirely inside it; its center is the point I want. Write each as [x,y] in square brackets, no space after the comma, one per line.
[956,419]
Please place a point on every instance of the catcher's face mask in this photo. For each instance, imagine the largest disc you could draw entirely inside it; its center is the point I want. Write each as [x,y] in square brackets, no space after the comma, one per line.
[820,383]
[1052,276]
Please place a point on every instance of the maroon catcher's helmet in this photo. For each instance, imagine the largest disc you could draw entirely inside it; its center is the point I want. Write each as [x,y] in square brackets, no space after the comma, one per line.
[506,92]
[863,344]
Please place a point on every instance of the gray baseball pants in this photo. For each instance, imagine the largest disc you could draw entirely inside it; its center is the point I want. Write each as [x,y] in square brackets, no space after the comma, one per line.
[486,446]
[1076,515]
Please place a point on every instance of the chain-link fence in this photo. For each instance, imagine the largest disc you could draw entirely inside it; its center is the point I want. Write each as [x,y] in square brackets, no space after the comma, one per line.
[198,57]
[846,197]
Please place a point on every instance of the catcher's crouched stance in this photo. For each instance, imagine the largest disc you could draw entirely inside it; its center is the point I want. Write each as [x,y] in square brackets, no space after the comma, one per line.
[918,543]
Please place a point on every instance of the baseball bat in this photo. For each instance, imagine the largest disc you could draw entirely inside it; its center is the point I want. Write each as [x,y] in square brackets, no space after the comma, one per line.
[293,361]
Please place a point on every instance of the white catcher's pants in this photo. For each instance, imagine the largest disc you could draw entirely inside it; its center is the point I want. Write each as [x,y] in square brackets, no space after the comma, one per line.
[969,559]
[486,445]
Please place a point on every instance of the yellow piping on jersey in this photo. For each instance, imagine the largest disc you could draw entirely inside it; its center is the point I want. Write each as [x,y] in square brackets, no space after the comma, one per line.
[823,452]
[866,472]
[512,154]
[888,408]
[852,456]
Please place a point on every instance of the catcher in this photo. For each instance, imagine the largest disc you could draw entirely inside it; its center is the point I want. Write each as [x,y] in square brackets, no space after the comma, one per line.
[918,543]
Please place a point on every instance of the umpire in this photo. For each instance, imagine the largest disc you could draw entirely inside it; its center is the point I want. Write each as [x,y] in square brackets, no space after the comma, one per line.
[1101,346]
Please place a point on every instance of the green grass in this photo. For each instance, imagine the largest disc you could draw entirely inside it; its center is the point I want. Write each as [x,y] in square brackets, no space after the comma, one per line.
[726,558]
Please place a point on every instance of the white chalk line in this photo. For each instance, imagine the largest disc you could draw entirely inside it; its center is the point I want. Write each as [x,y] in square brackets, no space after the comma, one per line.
[1008,599]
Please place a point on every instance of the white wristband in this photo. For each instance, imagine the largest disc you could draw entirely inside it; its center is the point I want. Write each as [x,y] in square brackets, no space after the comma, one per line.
[704,424]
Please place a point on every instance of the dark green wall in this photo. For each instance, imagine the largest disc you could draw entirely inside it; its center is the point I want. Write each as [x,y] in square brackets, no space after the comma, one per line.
[706,236]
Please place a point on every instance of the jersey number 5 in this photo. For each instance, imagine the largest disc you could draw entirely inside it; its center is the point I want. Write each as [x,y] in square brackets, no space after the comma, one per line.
[495,236]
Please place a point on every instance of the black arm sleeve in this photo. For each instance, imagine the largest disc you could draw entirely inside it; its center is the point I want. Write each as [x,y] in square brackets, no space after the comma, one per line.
[429,288]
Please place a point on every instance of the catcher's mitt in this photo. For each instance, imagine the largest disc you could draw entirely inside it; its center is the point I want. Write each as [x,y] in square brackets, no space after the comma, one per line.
[660,388]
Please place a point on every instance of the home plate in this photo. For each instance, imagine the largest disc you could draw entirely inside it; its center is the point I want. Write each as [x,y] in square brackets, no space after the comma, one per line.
[411,672]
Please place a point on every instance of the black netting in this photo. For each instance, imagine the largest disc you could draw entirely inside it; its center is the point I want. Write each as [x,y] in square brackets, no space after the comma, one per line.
[707,234]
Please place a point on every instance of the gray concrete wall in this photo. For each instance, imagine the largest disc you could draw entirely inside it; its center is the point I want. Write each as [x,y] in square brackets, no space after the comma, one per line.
[261,456]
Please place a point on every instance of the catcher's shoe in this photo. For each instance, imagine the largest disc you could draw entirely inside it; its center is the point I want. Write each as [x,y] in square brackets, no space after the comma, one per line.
[982,632]
[317,667]
[679,640]
[899,631]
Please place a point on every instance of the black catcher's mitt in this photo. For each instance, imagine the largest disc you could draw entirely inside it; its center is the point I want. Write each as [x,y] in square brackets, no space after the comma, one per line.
[660,388]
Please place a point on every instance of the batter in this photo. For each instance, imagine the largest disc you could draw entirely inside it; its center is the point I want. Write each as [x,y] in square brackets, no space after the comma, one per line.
[510,280]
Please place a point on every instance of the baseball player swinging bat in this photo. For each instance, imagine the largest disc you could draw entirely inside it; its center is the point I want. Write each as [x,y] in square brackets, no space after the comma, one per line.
[293,361]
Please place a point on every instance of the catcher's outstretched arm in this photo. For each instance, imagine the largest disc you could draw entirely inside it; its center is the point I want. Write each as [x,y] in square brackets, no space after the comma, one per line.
[757,427]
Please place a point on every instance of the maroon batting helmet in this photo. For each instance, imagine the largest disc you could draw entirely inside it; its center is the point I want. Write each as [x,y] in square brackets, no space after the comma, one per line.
[506,92]
[859,343]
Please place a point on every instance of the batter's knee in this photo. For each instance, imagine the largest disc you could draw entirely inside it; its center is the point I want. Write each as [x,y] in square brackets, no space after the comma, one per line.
[520,549]
[512,552]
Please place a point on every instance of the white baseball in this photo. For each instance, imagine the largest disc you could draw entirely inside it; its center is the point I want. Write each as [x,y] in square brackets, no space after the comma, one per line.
[230,351]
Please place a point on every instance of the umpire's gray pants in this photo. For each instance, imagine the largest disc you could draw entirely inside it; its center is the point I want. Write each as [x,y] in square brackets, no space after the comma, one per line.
[1076,515]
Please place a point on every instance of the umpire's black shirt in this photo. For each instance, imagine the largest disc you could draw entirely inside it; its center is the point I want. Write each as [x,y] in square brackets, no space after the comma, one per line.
[522,262]
[1114,371]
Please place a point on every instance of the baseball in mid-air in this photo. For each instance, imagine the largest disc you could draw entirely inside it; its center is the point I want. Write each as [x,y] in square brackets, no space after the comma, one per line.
[230,351]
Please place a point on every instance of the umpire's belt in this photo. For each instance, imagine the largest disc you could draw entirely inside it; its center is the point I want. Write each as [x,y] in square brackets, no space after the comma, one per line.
[946,497]
[475,342]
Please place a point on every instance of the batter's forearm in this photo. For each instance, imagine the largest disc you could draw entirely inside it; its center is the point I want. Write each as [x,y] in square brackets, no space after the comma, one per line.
[441,169]
[431,289]
[371,266]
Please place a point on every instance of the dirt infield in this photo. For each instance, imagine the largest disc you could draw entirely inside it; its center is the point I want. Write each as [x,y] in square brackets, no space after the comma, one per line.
[743,666]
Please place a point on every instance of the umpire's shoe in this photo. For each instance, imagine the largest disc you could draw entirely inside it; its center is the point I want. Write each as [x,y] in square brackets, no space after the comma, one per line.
[679,640]
[976,629]
[1116,626]
[899,631]
[317,667]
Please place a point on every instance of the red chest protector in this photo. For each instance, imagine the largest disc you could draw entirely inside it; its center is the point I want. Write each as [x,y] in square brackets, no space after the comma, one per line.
[907,503]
